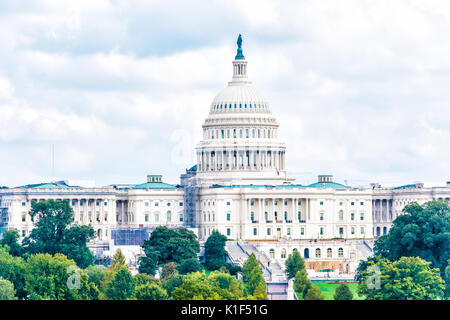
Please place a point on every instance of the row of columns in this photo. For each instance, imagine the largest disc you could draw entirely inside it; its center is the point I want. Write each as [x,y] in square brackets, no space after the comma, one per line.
[240,159]
[259,208]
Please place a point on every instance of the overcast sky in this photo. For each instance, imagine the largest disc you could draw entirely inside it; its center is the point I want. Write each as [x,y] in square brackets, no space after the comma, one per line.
[361,89]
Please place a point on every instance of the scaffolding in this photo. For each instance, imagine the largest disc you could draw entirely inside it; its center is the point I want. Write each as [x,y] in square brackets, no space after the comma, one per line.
[130,235]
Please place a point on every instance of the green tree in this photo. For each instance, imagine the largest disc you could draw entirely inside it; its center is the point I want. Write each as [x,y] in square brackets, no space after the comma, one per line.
[343,292]
[249,265]
[226,286]
[409,278]
[168,245]
[11,239]
[118,260]
[7,291]
[13,269]
[168,270]
[53,232]
[189,265]
[88,290]
[260,292]
[46,277]
[215,250]
[314,293]
[422,231]
[447,280]
[142,278]
[302,284]
[122,286]
[294,263]
[150,291]
[95,275]
[172,283]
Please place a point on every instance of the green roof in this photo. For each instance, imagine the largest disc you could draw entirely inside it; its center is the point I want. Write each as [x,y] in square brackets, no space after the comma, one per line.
[407,186]
[332,185]
[155,185]
[47,185]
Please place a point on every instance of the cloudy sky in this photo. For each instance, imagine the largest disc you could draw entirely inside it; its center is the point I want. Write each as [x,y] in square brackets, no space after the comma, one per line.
[361,89]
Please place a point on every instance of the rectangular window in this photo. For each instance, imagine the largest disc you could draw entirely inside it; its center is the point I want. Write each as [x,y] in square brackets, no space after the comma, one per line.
[228,217]
[228,231]
[106,203]
[362,230]
[23,204]
[181,204]
[285,203]
[341,231]
[321,230]
[353,230]
[146,204]
[228,203]
[361,203]
[146,218]
[269,231]
[299,203]
[156,204]
[302,231]
[288,231]
[321,203]
[352,203]
[362,216]
[181,217]
[255,231]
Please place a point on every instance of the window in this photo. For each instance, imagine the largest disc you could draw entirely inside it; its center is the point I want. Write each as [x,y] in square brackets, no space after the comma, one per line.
[321,230]
[341,231]
[321,216]
[302,231]
[24,233]
[362,230]
[228,203]
[299,215]
[361,203]
[352,216]
[228,231]
[283,253]
[156,217]
[341,215]
[317,253]
[168,204]
[146,217]
[288,231]
[181,217]
[255,231]
[252,216]
[105,203]
[299,203]
[269,231]
[169,216]
[352,203]
[251,203]
[321,203]
[181,204]
[272,254]
[146,204]
[156,204]
[23,204]
[340,252]
[362,216]
[24,217]
[275,203]
[285,203]
[353,230]
[329,253]
[228,217]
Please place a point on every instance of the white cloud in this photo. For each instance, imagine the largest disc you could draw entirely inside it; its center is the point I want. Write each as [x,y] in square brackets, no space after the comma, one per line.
[359,88]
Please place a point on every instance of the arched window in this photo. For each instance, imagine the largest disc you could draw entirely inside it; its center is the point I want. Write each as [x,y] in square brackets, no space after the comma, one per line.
[306,253]
[384,230]
[317,253]
[283,253]
[169,216]
[329,253]
[378,231]
[340,252]
[272,254]
[341,215]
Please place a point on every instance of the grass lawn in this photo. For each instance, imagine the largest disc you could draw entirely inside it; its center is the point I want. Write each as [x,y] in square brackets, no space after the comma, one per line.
[329,289]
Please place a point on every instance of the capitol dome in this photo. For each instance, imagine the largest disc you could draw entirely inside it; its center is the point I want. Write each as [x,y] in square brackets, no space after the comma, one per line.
[240,135]
[239,96]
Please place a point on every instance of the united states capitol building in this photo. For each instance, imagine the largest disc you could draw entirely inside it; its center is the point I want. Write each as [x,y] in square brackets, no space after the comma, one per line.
[239,186]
